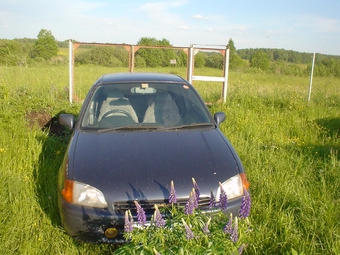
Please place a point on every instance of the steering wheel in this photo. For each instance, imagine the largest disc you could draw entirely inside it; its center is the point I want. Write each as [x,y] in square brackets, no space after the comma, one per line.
[117,111]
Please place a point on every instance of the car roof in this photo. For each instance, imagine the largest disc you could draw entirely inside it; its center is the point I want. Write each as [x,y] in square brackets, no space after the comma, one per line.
[140,77]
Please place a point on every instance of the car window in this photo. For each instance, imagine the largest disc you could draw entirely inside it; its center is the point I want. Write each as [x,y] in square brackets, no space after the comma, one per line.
[144,105]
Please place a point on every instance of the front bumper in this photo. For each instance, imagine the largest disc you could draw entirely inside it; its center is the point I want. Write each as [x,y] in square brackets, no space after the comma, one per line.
[89,224]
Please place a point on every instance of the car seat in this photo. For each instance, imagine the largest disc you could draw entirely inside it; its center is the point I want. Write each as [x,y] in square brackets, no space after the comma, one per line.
[162,110]
[119,106]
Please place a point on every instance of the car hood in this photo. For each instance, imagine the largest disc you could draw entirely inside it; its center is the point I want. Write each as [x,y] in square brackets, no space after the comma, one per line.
[141,165]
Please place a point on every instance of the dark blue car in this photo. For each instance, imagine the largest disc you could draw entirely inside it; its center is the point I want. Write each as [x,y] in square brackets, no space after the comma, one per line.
[137,132]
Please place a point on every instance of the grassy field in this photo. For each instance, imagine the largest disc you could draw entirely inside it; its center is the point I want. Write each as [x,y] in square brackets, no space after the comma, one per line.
[289,148]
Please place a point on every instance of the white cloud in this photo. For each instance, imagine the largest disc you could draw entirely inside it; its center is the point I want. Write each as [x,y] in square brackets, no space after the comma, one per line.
[160,9]
[183,27]
[320,24]
[327,25]
[162,16]
[239,30]
[198,16]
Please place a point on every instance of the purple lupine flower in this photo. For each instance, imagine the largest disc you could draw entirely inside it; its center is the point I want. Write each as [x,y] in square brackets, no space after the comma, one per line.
[240,249]
[197,189]
[130,217]
[223,198]
[194,198]
[172,195]
[127,221]
[205,229]
[191,203]
[189,233]
[158,218]
[228,229]
[234,233]
[212,200]
[245,206]
[189,207]
[128,226]
[140,214]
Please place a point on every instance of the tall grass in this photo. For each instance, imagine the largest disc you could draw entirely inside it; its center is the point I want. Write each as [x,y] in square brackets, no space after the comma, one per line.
[289,148]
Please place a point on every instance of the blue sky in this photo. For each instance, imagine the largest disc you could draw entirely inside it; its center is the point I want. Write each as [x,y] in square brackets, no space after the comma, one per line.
[300,25]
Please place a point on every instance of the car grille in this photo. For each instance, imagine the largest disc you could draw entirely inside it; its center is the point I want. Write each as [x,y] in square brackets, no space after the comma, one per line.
[149,205]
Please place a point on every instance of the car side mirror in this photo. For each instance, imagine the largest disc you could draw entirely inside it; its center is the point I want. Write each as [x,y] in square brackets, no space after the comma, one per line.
[219,117]
[66,120]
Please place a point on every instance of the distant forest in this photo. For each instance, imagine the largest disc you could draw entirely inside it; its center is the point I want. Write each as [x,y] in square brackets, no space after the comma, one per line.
[47,50]
[287,55]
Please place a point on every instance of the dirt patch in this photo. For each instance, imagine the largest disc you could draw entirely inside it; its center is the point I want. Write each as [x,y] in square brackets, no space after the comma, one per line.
[45,122]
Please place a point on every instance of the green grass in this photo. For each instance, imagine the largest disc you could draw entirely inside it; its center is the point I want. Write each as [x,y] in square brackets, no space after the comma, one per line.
[289,148]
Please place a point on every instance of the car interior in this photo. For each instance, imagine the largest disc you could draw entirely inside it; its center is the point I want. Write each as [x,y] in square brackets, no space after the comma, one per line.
[154,105]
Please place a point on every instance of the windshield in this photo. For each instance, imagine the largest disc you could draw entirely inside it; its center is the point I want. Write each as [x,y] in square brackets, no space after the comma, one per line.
[144,105]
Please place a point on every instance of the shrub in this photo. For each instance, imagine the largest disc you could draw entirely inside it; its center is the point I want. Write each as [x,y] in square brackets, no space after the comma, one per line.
[10,52]
[260,59]
[45,46]
[105,56]
[199,60]
[214,60]
[140,61]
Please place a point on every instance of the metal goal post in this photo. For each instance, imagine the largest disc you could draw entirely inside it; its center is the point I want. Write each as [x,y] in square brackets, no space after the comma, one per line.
[190,51]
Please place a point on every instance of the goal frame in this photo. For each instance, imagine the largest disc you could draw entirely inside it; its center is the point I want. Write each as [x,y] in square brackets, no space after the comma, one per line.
[191,51]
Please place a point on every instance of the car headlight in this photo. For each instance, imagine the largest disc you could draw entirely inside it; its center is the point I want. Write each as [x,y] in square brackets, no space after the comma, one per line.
[83,194]
[233,187]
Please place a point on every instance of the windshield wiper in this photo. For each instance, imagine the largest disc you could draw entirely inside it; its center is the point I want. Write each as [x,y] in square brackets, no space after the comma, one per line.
[193,125]
[158,128]
[129,127]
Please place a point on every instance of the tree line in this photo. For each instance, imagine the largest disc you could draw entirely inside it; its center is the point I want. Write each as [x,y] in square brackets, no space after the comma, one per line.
[45,48]
[291,62]
[25,51]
